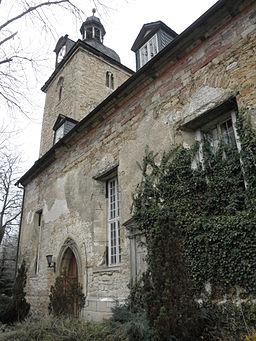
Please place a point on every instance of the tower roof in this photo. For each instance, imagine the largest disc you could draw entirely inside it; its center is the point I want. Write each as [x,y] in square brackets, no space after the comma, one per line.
[93,33]
[91,23]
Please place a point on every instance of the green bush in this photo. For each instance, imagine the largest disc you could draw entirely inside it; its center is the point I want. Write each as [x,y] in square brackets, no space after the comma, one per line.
[227,321]
[5,303]
[66,297]
[199,226]
[17,308]
[128,324]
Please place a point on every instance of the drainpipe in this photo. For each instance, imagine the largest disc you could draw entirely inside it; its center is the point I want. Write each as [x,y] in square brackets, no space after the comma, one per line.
[86,274]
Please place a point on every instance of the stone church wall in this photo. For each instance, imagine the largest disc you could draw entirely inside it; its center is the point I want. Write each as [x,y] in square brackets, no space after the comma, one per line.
[73,202]
[83,81]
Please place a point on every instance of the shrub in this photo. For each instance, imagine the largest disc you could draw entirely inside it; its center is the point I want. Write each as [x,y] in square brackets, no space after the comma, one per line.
[5,302]
[17,308]
[66,297]
[130,324]
[227,321]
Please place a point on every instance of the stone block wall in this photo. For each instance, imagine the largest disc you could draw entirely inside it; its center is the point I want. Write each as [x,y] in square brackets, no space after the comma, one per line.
[83,81]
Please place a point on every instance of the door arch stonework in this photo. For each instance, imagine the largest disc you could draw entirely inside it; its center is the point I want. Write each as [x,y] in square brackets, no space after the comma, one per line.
[69,260]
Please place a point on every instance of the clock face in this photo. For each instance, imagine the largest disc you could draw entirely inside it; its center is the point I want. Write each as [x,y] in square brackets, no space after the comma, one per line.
[61,54]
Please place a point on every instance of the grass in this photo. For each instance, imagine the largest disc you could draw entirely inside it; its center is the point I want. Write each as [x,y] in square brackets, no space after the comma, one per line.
[51,328]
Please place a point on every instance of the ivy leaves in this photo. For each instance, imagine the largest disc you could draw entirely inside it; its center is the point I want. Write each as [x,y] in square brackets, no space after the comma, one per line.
[211,209]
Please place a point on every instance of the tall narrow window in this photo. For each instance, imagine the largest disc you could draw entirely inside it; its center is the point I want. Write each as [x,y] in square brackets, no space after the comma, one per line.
[97,33]
[89,33]
[38,227]
[60,87]
[109,80]
[114,246]
[112,81]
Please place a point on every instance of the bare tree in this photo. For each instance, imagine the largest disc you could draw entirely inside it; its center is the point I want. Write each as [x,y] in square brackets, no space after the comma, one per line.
[15,57]
[10,196]
[18,57]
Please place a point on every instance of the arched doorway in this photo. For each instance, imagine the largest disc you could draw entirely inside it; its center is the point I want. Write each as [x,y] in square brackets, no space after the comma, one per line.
[69,271]
[69,265]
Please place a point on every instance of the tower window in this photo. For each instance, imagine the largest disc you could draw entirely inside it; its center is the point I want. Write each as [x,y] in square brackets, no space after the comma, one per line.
[89,34]
[110,80]
[60,87]
[97,33]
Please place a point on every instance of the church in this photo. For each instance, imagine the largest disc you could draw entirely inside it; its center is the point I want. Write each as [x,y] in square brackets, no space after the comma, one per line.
[99,116]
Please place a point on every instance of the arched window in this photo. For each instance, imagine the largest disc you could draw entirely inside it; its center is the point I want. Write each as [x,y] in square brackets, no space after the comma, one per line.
[60,87]
[109,80]
[112,81]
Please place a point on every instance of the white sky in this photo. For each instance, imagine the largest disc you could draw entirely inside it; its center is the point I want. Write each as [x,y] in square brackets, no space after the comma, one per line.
[122,24]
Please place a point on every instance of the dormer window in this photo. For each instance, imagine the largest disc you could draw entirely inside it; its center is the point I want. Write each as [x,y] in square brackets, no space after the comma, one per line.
[62,126]
[148,50]
[59,133]
[153,37]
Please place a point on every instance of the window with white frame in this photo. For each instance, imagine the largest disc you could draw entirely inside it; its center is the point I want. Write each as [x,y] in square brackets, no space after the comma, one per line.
[221,129]
[148,50]
[114,246]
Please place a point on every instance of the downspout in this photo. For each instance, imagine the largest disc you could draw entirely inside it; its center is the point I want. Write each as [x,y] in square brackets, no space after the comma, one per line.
[21,215]
[86,274]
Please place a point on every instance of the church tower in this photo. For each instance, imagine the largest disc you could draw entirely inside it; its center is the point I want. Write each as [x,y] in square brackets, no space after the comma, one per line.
[86,72]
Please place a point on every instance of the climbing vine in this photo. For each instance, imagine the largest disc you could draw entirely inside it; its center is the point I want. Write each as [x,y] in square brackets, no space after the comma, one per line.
[210,208]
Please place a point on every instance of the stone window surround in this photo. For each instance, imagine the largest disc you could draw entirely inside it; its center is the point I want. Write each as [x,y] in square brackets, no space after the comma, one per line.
[224,117]
[104,177]
[209,119]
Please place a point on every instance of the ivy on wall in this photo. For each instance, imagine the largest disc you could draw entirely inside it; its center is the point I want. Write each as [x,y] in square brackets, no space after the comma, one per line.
[209,208]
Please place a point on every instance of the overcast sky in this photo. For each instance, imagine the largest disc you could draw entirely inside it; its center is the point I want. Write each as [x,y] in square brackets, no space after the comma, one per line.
[122,22]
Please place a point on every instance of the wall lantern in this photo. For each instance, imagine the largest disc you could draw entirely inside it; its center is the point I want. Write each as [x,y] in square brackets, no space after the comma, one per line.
[50,263]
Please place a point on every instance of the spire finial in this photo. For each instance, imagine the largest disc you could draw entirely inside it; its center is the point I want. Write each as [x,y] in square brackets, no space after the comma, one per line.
[93,11]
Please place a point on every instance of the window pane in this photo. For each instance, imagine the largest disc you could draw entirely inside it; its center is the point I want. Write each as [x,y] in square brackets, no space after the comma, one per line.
[114,225]
[97,33]
[227,132]
[89,33]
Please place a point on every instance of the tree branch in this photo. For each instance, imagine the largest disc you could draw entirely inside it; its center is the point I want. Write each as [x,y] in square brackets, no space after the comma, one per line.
[8,38]
[33,8]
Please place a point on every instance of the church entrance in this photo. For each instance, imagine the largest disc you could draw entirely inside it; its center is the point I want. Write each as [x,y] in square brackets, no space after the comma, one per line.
[68,270]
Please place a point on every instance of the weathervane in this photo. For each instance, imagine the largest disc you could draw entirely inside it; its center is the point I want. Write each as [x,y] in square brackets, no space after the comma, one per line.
[93,11]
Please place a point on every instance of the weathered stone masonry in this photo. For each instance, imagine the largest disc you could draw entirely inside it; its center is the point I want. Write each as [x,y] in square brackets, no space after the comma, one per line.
[208,66]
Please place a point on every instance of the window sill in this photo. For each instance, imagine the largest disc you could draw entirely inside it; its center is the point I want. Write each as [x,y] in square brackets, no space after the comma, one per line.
[113,268]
